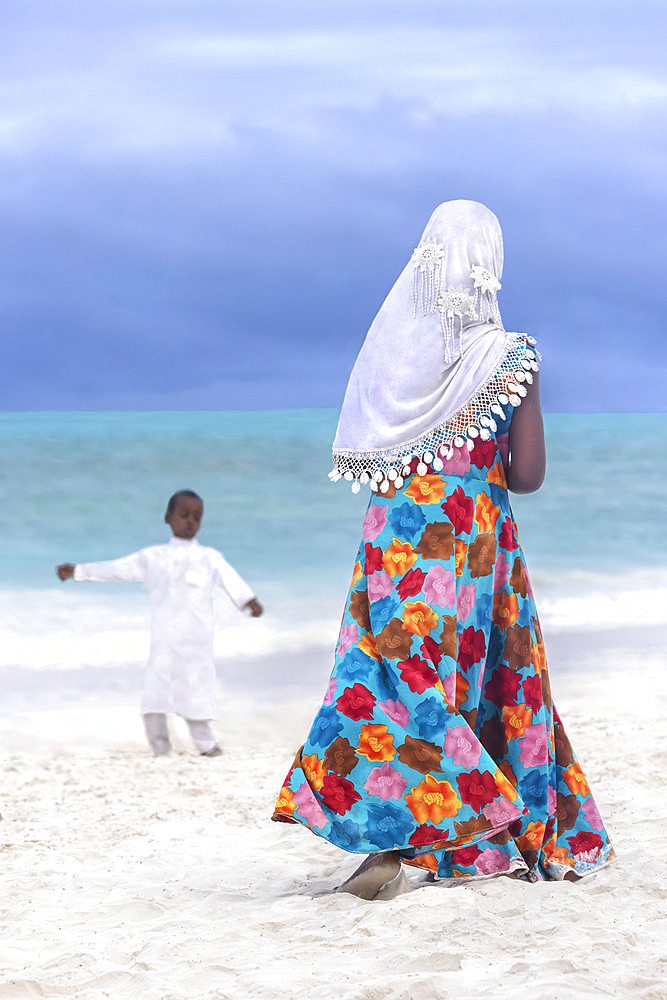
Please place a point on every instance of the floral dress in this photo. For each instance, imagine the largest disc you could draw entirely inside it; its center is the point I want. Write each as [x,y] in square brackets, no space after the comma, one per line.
[438,736]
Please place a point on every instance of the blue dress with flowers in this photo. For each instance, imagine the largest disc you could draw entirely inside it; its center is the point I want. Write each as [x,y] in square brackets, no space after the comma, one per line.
[437,736]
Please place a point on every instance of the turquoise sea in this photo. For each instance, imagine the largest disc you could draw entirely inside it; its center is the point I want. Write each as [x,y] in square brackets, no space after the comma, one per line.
[93,485]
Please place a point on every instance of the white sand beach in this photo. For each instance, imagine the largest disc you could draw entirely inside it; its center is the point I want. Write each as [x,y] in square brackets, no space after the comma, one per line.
[130,877]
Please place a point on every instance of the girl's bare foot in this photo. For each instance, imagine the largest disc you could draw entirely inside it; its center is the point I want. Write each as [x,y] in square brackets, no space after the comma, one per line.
[372,874]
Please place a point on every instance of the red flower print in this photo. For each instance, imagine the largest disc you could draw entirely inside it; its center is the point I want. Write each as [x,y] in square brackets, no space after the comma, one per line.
[471,647]
[431,649]
[459,509]
[427,834]
[417,674]
[477,789]
[356,703]
[483,454]
[532,692]
[373,559]
[338,794]
[411,584]
[503,686]
[466,855]
[583,843]
[506,537]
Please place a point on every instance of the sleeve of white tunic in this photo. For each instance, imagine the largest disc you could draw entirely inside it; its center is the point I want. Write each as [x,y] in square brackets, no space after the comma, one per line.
[230,581]
[129,569]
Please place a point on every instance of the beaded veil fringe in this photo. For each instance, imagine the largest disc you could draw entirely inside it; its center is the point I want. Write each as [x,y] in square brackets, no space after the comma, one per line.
[475,419]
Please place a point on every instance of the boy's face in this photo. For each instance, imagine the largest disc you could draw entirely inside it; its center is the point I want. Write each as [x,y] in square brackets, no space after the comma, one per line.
[185,518]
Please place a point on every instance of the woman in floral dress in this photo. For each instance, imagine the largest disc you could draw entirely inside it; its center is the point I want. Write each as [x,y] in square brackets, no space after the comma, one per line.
[438,743]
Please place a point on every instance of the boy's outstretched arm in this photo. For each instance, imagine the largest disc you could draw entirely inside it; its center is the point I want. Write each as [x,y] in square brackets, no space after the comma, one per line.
[65,571]
[255,607]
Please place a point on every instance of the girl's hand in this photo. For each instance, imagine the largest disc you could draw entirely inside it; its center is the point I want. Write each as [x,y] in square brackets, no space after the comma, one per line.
[254,607]
[65,571]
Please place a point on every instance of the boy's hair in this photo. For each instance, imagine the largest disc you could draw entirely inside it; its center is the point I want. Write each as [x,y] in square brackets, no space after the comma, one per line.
[177,496]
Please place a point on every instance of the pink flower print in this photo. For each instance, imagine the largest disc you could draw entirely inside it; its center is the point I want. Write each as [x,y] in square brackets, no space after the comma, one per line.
[347,638]
[459,463]
[592,815]
[331,691]
[553,799]
[502,572]
[386,782]
[491,861]
[439,587]
[500,812]
[449,687]
[374,521]
[308,807]
[379,585]
[533,746]
[396,711]
[463,747]
[465,600]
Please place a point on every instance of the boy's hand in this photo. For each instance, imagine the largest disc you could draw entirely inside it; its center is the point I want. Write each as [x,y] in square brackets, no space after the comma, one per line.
[66,571]
[255,607]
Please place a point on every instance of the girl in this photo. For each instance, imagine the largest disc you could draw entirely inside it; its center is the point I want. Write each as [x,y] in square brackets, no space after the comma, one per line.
[438,744]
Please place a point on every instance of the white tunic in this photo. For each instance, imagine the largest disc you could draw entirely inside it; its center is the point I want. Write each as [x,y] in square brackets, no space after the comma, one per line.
[180,577]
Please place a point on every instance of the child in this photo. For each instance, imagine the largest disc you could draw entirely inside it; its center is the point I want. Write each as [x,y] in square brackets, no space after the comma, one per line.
[180,577]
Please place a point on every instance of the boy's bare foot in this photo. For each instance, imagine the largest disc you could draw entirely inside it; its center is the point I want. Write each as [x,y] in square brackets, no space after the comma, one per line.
[372,874]
[213,752]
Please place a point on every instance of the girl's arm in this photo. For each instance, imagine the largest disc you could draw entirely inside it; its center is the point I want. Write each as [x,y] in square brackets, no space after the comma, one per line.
[527,452]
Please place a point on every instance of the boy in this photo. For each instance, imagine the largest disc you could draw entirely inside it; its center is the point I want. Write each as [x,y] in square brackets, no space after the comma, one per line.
[180,577]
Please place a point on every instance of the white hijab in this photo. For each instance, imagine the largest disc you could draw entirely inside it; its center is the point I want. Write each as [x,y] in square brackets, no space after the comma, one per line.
[436,361]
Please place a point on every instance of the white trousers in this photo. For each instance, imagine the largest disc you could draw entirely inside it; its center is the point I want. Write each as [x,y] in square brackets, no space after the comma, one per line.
[157,732]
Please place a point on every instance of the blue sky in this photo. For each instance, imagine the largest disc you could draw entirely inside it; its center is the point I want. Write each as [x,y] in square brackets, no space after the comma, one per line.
[203,204]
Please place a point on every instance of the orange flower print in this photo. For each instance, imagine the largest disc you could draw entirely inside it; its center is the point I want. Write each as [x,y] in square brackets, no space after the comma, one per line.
[461,552]
[368,645]
[357,574]
[575,780]
[496,475]
[398,558]
[419,618]
[375,743]
[505,786]
[538,657]
[431,800]
[486,513]
[516,718]
[314,769]
[505,610]
[560,856]
[533,836]
[430,488]
[506,768]
[286,803]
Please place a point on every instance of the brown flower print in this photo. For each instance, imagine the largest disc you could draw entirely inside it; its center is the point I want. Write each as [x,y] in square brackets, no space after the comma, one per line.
[420,755]
[340,757]
[493,738]
[518,578]
[447,644]
[564,752]
[518,646]
[567,809]
[393,641]
[471,828]
[436,542]
[359,609]
[482,554]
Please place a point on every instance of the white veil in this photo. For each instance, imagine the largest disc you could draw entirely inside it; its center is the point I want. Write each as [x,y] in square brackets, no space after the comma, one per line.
[436,363]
